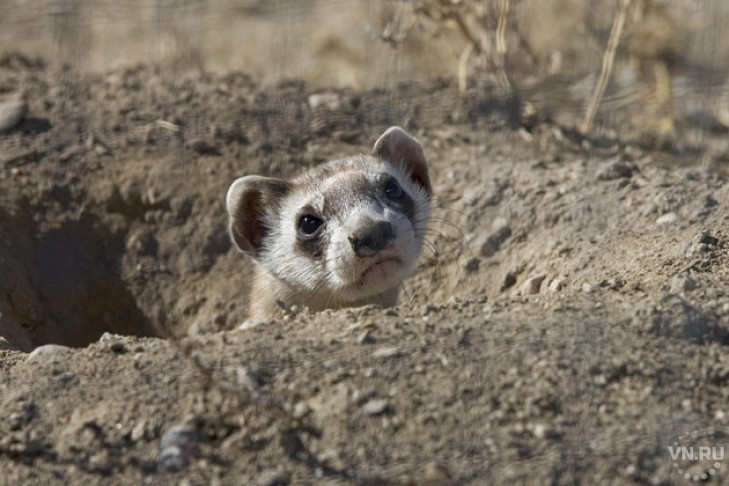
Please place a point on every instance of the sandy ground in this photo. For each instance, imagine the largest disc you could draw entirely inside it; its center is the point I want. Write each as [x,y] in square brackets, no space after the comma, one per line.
[567,324]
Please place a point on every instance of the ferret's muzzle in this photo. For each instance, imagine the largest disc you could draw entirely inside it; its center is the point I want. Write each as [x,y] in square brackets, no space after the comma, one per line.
[372,238]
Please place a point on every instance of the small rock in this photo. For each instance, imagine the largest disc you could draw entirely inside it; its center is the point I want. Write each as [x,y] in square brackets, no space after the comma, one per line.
[12,114]
[667,218]
[541,431]
[687,405]
[362,396]
[376,407]
[532,285]
[494,241]
[48,350]
[71,153]
[389,352]
[143,243]
[709,201]
[615,169]
[275,478]
[471,195]
[203,147]
[365,337]
[472,264]
[251,324]
[177,446]
[681,284]
[436,473]
[508,282]
[706,239]
[107,336]
[614,283]
[556,285]
[15,421]
[600,380]
[139,431]
[301,409]
[330,101]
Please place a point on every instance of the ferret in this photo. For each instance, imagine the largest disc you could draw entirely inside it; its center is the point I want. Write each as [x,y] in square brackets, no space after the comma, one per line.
[343,234]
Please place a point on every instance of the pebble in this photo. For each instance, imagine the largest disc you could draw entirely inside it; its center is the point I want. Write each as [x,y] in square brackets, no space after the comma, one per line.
[472,265]
[365,337]
[330,101]
[615,169]
[532,285]
[494,241]
[139,431]
[388,352]
[508,281]
[709,201]
[541,431]
[556,285]
[15,420]
[600,380]
[681,284]
[177,446]
[706,239]
[301,409]
[250,324]
[48,350]
[107,336]
[436,473]
[275,478]
[203,147]
[142,243]
[667,218]
[71,152]
[376,407]
[12,114]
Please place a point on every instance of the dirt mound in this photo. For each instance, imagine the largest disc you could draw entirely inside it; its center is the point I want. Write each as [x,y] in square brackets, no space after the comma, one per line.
[567,321]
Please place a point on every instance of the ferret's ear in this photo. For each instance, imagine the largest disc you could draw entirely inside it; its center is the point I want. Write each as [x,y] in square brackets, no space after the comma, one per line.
[397,146]
[249,201]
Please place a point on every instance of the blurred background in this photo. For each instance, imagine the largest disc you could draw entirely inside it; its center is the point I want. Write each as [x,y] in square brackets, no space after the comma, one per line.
[667,79]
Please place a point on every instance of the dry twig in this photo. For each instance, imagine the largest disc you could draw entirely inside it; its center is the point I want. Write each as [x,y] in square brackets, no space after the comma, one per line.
[608,60]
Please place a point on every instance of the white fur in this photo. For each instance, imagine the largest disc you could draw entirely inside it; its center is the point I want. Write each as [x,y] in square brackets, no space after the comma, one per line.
[342,278]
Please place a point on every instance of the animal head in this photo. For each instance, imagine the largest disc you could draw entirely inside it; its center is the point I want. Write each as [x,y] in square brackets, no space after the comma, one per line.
[344,231]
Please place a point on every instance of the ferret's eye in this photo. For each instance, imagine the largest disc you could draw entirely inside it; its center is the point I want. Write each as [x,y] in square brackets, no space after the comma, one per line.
[308,225]
[393,189]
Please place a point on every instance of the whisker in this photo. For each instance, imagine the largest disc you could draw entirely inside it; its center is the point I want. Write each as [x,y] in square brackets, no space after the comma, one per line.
[445,208]
[436,270]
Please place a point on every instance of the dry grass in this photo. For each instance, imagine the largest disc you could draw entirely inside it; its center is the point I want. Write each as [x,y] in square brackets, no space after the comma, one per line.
[608,61]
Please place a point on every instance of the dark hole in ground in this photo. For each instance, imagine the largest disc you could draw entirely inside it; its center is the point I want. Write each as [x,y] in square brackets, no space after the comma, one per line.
[72,279]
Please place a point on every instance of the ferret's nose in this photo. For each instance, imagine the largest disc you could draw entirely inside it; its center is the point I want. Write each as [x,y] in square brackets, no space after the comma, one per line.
[372,239]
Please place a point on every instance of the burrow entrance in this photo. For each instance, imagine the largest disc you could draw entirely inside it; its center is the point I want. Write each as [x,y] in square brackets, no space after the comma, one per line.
[63,285]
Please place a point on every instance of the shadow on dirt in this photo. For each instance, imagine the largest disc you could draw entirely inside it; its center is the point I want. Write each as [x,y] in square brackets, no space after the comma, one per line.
[66,286]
